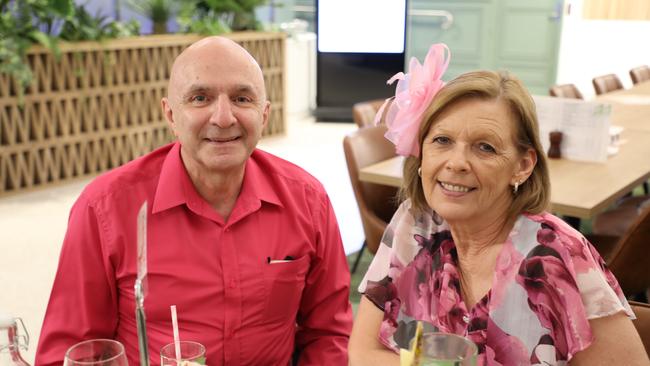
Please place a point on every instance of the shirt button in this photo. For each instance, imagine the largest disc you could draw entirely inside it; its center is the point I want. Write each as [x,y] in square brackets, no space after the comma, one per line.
[466,319]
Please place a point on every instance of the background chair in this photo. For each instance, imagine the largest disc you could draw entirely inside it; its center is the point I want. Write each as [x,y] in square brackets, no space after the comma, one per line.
[606,83]
[640,74]
[627,256]
[616,221]
[642,322]
[363,113]
[377,203]
[565,91]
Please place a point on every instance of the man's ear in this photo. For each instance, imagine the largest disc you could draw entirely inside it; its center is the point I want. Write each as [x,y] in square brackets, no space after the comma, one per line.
[265,114]
[169,114]
[524,169]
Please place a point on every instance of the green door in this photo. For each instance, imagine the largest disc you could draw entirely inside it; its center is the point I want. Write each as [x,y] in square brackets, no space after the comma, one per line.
[521,36]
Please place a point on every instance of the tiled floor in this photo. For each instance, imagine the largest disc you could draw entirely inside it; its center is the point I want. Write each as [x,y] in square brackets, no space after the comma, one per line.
[32,225]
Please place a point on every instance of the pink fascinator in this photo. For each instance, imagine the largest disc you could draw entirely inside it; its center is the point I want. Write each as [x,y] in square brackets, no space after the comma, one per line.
[414,91]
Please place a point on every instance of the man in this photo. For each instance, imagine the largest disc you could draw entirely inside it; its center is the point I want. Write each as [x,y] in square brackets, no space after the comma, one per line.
[245,244]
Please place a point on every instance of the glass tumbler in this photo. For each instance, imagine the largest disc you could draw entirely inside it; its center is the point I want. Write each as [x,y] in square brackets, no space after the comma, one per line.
[442,349]
[96,352]
[192,353]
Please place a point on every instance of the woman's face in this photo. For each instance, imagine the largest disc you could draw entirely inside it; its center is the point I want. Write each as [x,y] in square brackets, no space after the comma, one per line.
[470,161]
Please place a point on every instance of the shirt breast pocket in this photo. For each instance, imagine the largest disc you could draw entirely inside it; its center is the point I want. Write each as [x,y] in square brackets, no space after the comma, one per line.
[284,282]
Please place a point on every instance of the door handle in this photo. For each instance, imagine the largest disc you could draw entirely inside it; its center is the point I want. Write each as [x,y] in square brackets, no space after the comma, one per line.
[446,24]
[556,15]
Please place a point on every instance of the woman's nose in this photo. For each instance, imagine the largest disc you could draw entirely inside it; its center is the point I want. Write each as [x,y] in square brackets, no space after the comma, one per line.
[222,113]
[457,159]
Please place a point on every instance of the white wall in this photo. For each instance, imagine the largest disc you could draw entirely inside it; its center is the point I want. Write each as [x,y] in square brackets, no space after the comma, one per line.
[590,48]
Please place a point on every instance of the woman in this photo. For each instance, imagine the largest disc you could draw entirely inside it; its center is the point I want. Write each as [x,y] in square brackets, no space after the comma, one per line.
[471,250]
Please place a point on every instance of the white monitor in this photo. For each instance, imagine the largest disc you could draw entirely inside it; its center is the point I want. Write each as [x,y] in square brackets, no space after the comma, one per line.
[361,26]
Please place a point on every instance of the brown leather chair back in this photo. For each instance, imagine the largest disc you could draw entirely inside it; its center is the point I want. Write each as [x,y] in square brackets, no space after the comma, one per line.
[363,113]
[565,91]
[642,322]
[640,74]
[377,203]
[606,83]
[629,259]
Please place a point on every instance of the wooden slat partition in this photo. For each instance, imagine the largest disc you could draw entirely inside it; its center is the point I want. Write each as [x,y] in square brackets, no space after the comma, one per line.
[98,106]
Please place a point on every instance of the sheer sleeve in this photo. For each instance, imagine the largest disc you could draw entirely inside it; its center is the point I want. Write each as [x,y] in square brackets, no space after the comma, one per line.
[568,284]
[397,248]
[383,284]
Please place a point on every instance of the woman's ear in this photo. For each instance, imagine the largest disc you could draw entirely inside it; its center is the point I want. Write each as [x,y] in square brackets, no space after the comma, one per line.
[525,167]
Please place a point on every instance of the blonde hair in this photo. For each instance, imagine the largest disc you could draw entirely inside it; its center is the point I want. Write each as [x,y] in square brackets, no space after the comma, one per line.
[534,194]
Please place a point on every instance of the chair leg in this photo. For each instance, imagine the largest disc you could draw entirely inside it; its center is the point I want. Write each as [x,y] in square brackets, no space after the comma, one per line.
[358,259]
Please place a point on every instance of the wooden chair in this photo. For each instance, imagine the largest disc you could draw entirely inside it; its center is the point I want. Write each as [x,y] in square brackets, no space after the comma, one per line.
[616,221]
[640,74]
[627,256]
[565,91]
[377,203]
[606,83]
[363,113]
[642,322]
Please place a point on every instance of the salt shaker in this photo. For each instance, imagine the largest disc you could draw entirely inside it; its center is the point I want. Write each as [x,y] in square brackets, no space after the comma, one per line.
[554,151]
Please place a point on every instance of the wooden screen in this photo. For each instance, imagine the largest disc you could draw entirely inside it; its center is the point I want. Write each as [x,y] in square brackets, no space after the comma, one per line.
[98,106]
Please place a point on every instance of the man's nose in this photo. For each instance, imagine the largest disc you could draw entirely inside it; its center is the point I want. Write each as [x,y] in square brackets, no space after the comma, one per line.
[222,113]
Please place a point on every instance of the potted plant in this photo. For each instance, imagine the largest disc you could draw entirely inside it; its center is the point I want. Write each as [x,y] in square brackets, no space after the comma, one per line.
[27,22]
[159,11]
[219,16]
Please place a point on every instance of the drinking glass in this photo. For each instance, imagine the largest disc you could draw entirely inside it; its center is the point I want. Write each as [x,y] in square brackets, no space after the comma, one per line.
[191,353]
[442,349]
[96,352]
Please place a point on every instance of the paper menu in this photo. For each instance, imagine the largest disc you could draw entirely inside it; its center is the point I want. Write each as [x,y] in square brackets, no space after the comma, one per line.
[584,126]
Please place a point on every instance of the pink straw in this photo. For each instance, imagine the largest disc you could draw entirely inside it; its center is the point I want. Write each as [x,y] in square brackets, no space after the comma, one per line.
[177,341]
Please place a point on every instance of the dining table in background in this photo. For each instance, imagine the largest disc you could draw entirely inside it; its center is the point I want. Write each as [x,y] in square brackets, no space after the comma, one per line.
[578,189]
[630,107]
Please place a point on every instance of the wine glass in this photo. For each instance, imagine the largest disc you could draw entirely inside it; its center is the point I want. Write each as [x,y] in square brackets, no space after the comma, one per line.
[442,349]
[96,352]
[192,353]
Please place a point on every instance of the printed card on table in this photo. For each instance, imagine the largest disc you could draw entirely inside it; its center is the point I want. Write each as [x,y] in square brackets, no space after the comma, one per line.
[584,126]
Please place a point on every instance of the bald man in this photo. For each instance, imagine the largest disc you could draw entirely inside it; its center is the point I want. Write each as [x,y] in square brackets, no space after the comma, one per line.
[245,244]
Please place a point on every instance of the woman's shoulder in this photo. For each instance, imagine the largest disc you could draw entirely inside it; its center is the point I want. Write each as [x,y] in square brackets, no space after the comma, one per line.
[408,223]
[552,231]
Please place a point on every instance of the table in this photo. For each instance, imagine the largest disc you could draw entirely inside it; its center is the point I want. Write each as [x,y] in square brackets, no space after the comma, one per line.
[630,107]
[578,189]
[581,189]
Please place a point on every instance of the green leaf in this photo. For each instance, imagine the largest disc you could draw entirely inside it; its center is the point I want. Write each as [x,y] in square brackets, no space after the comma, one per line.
[47,42]
[64,8]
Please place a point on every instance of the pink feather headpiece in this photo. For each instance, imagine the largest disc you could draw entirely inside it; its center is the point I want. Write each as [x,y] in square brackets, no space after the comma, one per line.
[413,94]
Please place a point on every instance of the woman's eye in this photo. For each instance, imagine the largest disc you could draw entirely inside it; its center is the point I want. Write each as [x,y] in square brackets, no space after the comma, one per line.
[486,147]
[443,140]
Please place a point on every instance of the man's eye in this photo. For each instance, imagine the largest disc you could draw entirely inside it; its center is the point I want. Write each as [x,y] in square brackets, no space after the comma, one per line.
[486,147]
[443,140]
[199,98]
[243,99]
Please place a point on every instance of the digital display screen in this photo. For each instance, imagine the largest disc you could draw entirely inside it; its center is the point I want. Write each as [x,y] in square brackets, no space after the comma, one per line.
[361,26]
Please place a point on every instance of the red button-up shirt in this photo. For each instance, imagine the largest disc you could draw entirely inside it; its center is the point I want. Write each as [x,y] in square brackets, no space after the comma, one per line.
[245,310]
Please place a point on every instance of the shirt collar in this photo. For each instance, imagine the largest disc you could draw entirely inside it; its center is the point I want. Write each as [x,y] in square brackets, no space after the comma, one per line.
[175,187]
[258,182]
[173,179]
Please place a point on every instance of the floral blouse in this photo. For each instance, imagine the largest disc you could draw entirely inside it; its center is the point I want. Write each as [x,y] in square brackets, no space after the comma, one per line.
[548,282]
